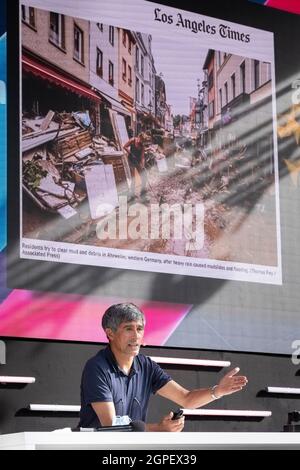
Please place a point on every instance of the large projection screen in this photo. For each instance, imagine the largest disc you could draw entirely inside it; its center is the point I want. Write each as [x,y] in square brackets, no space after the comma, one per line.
[209,223]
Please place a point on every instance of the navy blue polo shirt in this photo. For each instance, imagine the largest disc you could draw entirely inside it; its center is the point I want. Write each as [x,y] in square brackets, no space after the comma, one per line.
[103,380]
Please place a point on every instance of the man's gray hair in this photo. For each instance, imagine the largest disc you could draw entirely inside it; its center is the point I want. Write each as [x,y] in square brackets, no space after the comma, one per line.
[120,313]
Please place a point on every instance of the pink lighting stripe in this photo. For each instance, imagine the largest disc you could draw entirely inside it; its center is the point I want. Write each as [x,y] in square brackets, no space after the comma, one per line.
[71,317]
[288,5]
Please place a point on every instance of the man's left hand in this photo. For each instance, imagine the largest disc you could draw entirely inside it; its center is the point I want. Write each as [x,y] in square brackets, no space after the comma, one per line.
[230,383]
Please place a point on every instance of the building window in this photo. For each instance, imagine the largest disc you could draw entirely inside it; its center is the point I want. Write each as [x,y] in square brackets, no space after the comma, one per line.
[99,63]
[243,77]
[129,45]
[221,98]
[233,86]
[124,70]
[256,74]
[78,44]
[143,93]
[112,35]
[111,73]
[129,76]
[28,16]
[137,90]
[137,57]
[57,29]
[211,109]
[142,65]
[211,80]
[124,37]
[100,26]
[226,93]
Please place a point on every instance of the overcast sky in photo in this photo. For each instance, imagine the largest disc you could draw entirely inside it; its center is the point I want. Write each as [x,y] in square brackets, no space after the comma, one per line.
[181,64]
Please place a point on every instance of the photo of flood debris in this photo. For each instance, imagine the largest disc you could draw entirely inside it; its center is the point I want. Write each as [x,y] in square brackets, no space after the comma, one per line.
[118,142]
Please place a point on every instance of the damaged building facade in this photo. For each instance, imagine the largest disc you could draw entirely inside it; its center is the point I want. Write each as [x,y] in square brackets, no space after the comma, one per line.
[86,89]
[237,88]
[145,83]
[239,101]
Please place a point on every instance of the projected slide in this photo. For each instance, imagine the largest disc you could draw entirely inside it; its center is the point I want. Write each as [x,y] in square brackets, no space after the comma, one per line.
[90,81]
[148,143]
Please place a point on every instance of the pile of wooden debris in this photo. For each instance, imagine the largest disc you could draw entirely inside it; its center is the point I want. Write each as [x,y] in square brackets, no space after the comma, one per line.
[64,163]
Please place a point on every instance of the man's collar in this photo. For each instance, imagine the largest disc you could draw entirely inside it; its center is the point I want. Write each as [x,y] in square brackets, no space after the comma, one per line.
[114,363]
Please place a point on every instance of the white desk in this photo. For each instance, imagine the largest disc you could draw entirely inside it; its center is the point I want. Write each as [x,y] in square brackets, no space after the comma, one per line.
[146,441]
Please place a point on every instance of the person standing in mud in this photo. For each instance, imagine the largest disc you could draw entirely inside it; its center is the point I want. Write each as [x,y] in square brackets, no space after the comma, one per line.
[135,151]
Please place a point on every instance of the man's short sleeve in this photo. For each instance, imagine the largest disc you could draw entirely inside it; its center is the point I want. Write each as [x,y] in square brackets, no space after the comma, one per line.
[96,386]
[159,377]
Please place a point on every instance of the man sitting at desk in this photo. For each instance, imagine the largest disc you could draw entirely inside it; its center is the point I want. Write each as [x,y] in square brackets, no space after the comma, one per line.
[119,380]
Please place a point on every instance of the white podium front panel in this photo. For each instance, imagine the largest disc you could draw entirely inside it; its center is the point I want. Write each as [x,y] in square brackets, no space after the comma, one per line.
[145,441]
